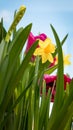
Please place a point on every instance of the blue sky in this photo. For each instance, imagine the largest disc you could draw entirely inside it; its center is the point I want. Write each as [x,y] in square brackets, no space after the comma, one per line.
[42,13]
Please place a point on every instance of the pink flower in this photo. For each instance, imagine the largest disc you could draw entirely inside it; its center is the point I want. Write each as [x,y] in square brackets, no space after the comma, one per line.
[66,80]
[51,84]
[32,39]
[41,36]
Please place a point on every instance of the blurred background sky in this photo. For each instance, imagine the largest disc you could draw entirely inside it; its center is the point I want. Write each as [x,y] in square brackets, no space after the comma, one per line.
[42,13]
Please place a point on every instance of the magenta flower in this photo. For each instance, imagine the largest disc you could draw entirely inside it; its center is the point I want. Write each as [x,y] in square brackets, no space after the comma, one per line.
[32,39]
[66,80]
[41,36]
[51,84]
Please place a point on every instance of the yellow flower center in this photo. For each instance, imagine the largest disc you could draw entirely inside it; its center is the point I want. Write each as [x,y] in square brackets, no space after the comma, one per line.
[46,49]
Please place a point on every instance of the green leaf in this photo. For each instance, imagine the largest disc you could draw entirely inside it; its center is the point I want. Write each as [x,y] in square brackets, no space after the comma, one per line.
[51,69]
[2,31]
[44,108]
[64,39]
[3,72]
[15,80]
[60,78]
[66,112]
[59,97]
[14,53]
[2,45]
[36,95]
[47,114]
[30,110]
[62,42]
[10,45]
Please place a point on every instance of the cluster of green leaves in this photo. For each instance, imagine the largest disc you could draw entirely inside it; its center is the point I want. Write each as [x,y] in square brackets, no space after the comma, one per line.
[21,107]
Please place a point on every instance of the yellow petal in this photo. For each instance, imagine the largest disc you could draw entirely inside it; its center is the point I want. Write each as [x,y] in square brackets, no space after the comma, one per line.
[50,57]
[41,43]
[66,60]
[52,48]
[46,42]
[44,58]
[38,51]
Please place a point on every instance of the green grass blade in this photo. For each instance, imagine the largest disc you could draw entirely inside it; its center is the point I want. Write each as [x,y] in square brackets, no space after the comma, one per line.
[13,55]
[1,50]
[50,70]
[36,95]
[65,113]
[10,45]
[60,79]
[2,31]
[44,109]
[62,42]
[59,97]
[47,114]
[3,72]
[64,39]
[16,79]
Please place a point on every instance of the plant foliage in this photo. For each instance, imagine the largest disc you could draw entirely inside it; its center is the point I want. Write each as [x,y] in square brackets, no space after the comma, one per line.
[21,106]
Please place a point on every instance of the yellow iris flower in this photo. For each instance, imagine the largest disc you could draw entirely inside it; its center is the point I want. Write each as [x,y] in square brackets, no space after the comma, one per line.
[65,59]
[45,50]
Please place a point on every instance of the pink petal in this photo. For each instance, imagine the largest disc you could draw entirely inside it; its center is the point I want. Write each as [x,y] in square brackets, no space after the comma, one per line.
[30,41]
[42,36]
[49,78]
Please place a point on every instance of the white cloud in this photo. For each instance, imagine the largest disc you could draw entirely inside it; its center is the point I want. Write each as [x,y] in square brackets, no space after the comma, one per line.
[6,15]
